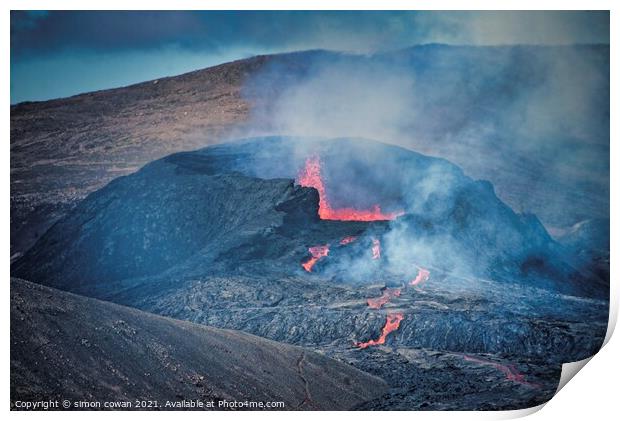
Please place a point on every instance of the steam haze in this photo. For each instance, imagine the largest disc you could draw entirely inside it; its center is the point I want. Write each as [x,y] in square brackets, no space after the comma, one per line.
[417,201]
[526,118]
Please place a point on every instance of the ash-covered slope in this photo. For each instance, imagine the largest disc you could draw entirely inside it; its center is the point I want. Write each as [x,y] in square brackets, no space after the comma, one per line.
[65,346]
[234,207]
[146,223]
[64,149]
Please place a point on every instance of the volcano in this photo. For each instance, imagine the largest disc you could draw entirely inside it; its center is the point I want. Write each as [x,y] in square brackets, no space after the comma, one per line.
[220,236]
[227,206]
[310,176]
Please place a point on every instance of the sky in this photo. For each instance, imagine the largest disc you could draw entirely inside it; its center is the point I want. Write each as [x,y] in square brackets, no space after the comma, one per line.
[62,53]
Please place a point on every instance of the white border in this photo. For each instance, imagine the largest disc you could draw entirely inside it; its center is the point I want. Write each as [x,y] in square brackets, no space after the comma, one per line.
[591,396]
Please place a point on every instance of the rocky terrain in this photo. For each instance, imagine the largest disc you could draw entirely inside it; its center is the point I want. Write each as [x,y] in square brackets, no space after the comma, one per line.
[209,211]
[441,291]
[199,236]
[63,149]
[64,346]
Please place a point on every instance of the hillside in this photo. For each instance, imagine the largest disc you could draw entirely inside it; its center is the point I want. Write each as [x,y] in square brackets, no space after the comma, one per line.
[64,346]
[63,149]
[229,208]
[469,102]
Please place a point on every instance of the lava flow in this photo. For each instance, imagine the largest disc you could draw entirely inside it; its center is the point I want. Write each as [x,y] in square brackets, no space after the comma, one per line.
[509,371]
[310,176]
[392,323]
[422,276]
[376,249]
[347,240]
[388,294]
[317,253]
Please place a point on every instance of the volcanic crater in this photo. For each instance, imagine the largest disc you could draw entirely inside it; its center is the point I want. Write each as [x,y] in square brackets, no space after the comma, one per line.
[392,261]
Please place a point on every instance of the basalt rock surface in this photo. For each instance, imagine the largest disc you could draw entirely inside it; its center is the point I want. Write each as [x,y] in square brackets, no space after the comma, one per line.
[228,207]
[218,237]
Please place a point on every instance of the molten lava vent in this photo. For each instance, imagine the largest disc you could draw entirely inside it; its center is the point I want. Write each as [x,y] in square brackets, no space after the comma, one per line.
[310,176]
[421,277]
[317,253]
[392,323]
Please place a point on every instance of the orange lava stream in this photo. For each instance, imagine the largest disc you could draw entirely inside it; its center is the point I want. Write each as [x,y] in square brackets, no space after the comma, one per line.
[310,176]
[509,371]
[388,294]
[422,276]
[317,253]
[392,323]
[376,249]
[347,240]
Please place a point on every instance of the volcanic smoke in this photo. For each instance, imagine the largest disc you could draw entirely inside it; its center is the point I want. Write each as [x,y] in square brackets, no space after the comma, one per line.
[392,323]
[317,253]
[310,176]
[388,294]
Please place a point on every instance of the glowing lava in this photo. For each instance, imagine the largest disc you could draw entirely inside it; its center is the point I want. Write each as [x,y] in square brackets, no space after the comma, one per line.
[388,294]
[317,253]
[510,371]
[392,323]
[347,240]
[310,176]
[376,249]
[422,276]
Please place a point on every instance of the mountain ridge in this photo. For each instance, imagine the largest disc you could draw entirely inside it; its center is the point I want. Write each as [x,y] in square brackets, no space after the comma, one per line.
[63,149]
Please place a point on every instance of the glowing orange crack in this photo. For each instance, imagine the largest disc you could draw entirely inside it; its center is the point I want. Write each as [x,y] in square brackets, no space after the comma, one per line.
[388,294]
[422,276]
[317,253]
[392,323]
[310,176]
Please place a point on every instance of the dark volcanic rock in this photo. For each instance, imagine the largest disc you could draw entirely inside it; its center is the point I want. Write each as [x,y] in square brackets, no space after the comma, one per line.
[451,314]
[227,206]
[65,346]
[217,237]
[424,379]
[63,149]
[146,223]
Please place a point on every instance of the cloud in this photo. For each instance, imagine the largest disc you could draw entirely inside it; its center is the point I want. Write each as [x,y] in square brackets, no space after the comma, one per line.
[359,31]
[42,41]
[542,27]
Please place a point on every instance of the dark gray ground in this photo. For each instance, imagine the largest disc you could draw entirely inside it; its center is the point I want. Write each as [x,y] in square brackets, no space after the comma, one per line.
[217,237]
[65,346]
[192,238]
